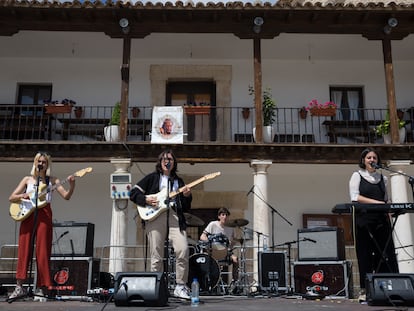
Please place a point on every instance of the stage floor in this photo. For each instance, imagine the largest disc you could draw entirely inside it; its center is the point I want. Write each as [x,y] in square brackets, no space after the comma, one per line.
[213,303]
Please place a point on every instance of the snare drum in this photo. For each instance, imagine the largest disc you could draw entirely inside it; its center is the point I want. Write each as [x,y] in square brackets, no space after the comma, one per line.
[205,269]
[219,246]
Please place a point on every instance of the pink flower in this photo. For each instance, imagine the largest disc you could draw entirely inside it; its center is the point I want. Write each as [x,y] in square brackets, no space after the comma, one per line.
[314,104]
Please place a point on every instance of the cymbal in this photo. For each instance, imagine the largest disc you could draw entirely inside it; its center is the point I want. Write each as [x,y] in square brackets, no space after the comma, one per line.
[193,221]
[237,222]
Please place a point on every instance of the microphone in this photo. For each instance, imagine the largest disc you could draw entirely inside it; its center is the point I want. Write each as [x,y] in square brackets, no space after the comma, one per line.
[39,167]
[310,240]
[250,191]
[375,165]
[168,165]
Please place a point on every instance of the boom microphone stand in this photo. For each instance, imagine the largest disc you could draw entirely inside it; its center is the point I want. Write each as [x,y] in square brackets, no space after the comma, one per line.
[273,211]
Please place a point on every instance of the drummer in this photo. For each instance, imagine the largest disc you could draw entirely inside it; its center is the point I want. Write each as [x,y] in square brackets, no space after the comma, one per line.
[219,227]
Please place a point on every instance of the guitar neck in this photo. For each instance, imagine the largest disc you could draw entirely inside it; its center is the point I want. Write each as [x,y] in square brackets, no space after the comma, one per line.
[190,185]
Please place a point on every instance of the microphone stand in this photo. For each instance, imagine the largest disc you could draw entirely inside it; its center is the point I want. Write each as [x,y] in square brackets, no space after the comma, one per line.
[166,242]
[289,256]
[273,211]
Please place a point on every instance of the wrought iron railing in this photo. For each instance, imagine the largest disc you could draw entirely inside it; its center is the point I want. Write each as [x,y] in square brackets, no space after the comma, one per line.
[214,125]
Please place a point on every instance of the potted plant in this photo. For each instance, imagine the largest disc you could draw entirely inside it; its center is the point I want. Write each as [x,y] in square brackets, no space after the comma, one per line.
[303,113]
[383,129]
[111,131]
[269,114]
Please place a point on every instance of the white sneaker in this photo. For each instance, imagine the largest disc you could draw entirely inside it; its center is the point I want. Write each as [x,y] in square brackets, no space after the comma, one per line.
[182,291]
[39,295]
[18,292]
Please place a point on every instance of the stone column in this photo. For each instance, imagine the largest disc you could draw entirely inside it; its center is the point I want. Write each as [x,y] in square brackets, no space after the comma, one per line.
[261,213]
[403,235]
[119,223]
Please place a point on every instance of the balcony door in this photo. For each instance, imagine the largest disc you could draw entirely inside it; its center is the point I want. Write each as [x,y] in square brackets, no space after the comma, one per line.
[350,102]
[198,127]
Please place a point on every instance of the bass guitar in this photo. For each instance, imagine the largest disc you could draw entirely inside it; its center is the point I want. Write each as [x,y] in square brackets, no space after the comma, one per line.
[22,209]
[149,212]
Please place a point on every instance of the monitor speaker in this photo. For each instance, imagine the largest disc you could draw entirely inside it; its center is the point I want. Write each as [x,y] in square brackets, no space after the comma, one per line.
[140,289]
[322,243]
[384,289]
[73,239]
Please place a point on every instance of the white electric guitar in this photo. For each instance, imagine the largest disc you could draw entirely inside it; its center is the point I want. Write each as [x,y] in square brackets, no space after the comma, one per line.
[22,209]
[149,212]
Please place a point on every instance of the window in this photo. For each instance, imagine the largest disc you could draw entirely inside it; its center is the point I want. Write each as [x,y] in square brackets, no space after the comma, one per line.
[33,94]
[350,102]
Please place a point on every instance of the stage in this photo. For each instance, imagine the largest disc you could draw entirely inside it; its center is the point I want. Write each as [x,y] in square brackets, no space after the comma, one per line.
[213,303]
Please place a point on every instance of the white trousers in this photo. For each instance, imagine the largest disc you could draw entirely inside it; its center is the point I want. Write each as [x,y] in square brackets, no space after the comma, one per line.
[157,234]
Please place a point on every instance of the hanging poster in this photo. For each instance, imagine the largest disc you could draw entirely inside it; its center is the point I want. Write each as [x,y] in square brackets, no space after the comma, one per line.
[167,125]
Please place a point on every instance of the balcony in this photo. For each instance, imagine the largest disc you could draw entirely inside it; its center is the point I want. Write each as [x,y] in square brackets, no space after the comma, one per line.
[215,130]
[231,125]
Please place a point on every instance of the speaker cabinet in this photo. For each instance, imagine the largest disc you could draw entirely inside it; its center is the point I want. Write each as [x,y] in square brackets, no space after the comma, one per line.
[73,239]
[140,289]
[74,276]
[330,278]
[324,243]
[384,289]
[272,271]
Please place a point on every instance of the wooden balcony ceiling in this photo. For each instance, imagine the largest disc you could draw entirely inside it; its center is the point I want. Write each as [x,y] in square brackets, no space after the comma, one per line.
[294,16]
[24,151]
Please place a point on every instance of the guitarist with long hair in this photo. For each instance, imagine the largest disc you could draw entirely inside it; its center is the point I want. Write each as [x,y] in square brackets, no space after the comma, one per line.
[39,228]
[144,193]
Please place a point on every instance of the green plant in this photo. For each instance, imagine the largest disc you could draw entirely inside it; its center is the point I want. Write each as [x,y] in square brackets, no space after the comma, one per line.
[384,127]
[116,115]
[268,106]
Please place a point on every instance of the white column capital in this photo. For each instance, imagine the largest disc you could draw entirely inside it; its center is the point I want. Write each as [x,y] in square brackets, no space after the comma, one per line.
[399,163]
[260,166]
[121,165]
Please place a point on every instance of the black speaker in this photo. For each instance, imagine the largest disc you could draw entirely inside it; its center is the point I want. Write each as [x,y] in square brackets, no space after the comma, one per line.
[140,289]
[384,289]
[73,239]
[272,271]
[323,243]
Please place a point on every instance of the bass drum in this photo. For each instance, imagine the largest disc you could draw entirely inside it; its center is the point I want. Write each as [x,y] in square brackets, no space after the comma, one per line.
[206,269]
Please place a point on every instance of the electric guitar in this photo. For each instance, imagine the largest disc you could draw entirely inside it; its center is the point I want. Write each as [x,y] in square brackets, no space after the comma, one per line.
[19,211]
[149,212]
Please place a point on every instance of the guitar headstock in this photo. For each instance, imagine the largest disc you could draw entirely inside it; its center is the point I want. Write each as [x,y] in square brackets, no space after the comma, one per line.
[212,175]
[82,172]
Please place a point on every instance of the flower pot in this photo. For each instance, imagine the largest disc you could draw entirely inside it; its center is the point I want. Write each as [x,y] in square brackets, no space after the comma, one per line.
[323,112]
[303,113]
[135,112]
[246,113]
[267,134]
[78,112]
[111,133]
[402,133]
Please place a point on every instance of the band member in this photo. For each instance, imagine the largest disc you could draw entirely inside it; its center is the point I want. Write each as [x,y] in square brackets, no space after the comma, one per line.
[219,227]
[38,225]
[144,193]
[373,230]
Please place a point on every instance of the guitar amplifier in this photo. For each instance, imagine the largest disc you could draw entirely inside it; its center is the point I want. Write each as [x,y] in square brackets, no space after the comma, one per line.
[73,239]
[329,278]
[73,276]
[323,243]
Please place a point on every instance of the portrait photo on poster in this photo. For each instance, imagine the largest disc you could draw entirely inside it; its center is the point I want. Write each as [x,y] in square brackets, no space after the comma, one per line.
[167,125]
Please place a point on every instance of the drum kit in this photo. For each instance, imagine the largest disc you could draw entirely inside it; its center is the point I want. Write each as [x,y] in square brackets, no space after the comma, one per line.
[209,258]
